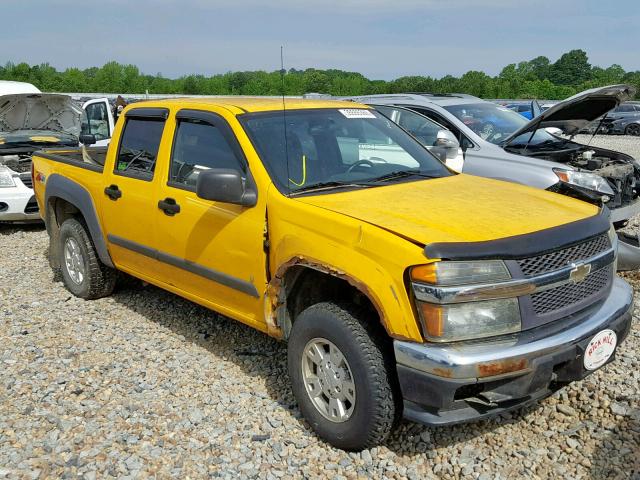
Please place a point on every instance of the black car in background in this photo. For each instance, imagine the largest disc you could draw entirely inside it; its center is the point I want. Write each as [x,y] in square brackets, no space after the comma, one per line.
[623,120]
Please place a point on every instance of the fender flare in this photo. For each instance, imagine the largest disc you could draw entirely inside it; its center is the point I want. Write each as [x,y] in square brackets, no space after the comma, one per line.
[61,187]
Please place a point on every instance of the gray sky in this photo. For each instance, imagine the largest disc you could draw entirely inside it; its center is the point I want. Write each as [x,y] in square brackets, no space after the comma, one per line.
[381,39]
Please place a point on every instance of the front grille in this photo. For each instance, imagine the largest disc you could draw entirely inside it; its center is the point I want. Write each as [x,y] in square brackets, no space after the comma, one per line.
[571,293]
[561,258]
[26,179]
[32,206]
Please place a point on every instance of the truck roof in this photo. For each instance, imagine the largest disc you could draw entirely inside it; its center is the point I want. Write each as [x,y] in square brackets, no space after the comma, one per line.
[239,104]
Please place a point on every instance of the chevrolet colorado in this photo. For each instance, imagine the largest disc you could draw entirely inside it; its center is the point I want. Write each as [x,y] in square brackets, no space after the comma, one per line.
[400,287]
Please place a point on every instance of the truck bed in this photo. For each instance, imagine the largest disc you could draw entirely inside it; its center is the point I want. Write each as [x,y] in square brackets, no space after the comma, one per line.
[92,158]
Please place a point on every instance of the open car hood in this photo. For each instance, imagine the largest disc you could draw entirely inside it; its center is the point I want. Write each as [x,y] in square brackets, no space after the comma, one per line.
[577,112]
[39,112]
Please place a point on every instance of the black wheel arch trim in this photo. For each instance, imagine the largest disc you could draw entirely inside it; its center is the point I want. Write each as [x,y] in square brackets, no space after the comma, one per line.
[191,267]
[521,246]
[58,186]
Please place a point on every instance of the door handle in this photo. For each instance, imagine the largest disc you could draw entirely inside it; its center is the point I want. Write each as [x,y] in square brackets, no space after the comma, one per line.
[113,192]
[169,206]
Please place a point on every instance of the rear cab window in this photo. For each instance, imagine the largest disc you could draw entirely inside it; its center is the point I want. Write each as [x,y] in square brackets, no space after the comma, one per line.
[139,145]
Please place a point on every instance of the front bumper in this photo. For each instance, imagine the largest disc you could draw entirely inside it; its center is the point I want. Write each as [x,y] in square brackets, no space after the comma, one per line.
[18,204]
[457,382]
[621,214]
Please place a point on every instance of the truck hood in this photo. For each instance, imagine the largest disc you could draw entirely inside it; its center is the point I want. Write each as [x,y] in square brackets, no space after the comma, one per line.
[39,112]
[577,112]
[461,208]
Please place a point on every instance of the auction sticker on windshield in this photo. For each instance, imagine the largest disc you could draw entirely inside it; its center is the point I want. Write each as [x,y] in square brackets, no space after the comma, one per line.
[600,348]
[357,113]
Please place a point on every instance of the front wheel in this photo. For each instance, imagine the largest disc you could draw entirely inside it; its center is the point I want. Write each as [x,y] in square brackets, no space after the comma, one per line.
[83,273]
[342,376]
[633,129]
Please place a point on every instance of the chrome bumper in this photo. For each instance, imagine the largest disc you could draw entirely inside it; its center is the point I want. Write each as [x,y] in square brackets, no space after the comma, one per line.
[515,354]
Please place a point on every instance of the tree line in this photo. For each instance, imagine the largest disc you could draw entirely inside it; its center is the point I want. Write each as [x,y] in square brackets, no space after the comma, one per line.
[536,78]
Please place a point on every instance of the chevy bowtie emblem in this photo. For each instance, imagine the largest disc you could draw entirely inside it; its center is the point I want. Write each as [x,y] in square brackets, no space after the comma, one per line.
[579,272]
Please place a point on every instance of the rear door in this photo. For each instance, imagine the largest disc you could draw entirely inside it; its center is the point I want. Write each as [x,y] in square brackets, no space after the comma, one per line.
[130,190]
[98,121]
[210,251]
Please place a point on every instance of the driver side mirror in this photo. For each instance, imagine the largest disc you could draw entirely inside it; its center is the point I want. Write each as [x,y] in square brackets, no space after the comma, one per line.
[87,139]
[225,185]
[446,139]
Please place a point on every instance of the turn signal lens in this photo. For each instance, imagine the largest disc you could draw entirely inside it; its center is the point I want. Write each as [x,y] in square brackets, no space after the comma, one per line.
[461,273]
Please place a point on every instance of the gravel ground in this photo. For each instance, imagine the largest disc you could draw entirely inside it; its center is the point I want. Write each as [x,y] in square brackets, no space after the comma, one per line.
[619,143]
[145,383]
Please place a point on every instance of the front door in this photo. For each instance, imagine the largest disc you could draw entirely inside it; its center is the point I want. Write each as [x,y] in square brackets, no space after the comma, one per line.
[130,190]
[98,121]
[212,251]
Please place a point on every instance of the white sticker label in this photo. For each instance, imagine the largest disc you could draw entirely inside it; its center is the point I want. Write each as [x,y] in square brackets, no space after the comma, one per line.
[357,113]
[600,348]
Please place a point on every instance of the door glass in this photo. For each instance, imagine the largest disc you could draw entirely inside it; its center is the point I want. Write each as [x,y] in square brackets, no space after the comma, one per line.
[465,143]
[425,130]
[139,147]
[197,147]
[96,121]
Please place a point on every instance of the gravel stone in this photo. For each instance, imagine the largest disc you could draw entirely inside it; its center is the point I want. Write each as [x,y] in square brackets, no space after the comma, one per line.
[146,384]
[566,409]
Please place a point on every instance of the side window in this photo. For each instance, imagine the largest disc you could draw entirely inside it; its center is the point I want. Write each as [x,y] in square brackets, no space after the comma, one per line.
[464,141]
[424,129]
[199,146]
[139,147]
[96,121]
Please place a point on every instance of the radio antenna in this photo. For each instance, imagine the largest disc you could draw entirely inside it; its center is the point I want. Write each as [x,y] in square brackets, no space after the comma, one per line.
[284,117]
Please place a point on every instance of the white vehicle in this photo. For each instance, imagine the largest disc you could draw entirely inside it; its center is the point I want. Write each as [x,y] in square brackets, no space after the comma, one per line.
[30,121]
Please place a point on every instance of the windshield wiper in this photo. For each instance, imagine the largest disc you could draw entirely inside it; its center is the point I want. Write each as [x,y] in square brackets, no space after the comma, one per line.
[401,174]
[327,185]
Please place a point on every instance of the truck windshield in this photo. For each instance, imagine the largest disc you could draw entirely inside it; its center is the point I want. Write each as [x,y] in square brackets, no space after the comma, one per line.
[337,148]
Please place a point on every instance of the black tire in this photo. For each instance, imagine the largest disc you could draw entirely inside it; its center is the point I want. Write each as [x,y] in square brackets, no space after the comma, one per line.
[378,405]
[633,129]
[98,280]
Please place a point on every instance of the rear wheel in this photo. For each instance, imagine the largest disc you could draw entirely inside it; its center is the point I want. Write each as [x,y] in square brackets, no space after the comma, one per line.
[342,376]
[633,129]
[83,273]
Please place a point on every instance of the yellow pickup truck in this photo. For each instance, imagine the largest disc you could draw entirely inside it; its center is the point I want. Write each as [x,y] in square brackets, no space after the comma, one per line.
[400,287]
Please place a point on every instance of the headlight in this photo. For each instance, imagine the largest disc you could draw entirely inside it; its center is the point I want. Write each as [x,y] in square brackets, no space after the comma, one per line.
[464,321]
[447,322]
[585,180]
[6,179]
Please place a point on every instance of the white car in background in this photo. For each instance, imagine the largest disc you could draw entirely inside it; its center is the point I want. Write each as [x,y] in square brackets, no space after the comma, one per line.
[30,121]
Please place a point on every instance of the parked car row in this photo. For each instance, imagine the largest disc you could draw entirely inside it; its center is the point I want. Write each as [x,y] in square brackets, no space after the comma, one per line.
[401,287]
[31,120]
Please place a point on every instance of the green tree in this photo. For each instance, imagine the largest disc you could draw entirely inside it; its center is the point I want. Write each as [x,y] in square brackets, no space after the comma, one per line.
[572,68]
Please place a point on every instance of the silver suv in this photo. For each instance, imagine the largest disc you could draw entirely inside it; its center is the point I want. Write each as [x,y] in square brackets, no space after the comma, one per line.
[499,143]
